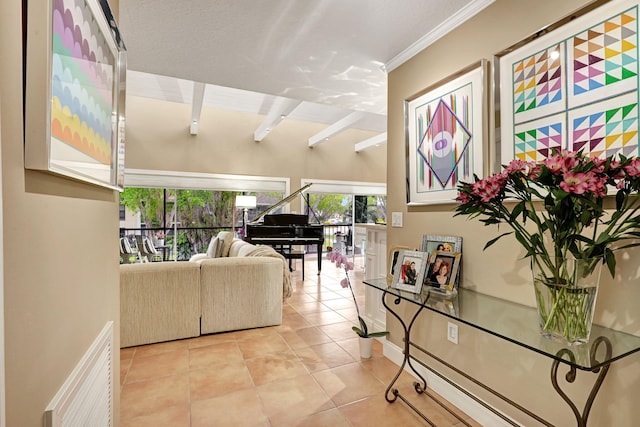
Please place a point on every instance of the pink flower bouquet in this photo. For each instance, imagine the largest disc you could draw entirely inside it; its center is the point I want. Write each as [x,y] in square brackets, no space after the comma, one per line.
[563,197]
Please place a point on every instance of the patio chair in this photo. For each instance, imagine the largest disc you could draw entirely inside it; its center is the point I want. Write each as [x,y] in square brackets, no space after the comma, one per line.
[126,252]
[146,251]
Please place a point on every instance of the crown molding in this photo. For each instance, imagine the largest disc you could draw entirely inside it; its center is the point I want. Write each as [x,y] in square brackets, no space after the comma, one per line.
[461,16]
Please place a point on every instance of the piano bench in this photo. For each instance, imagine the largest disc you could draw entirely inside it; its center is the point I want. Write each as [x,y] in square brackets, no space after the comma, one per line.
[295,254]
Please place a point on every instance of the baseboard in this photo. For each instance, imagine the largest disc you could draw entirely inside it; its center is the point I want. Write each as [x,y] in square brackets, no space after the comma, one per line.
[470,407]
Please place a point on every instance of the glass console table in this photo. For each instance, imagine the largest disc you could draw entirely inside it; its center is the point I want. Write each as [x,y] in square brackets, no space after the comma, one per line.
[515,323]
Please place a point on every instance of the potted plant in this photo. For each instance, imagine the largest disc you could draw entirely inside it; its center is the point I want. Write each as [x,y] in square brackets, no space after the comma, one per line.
[555,210]
[366,337]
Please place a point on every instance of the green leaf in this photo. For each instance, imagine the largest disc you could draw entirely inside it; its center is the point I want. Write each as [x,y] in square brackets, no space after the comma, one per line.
[620,196]
[492,241]
[610,259]
[363,326]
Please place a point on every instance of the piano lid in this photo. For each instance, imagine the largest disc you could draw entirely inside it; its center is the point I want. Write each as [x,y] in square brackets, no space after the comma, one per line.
[282,202]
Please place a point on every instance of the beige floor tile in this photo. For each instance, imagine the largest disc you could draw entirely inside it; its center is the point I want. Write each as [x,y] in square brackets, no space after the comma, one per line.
[351,346]
[149,397]
[300,297]
[339,331]
[350,313]
[275,367]
[385,370]
[174,416]
[158,365]
[324,318]
[428,406]
[294,398]
[163,347]
[124,369]
[376,411]
[305,337]
[240,408]
[330,418]
[339,304]
[228,352]
[349,383]
[288,310]
[292,322]
[323,356]
[260,346]
[309,307]
[329,295]
[127,353]
[220,380]
[211,339]
[256,332]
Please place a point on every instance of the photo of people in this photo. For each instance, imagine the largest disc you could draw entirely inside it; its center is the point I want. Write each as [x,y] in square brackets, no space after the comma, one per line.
[409,273]
[432,243]
[443,269]
[446,244]
[439,272]
[409,270]
[393,260]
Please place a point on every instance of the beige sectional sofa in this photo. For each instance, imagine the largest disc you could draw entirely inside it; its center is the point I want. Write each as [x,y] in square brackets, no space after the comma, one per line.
[165,301]
[159,301]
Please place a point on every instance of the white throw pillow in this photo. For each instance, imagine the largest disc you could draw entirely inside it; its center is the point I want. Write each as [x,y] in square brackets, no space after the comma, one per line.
[215,248]
[227,238]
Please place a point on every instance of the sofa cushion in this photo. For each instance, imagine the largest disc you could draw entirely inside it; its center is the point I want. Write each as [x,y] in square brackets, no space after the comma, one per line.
[227,238]
[240,248]
[215,247]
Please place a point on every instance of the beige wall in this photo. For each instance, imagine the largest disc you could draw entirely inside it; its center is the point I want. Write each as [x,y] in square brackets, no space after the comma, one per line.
[158,138]
[513,371]
[60,257]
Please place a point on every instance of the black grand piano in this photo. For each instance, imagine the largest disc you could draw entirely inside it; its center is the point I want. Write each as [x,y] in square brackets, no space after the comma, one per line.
[282,231]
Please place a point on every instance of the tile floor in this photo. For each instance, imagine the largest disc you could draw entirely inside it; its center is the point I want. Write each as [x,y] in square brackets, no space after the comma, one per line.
[305,372]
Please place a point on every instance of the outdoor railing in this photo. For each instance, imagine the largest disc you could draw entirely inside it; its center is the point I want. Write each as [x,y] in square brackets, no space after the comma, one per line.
[194,240]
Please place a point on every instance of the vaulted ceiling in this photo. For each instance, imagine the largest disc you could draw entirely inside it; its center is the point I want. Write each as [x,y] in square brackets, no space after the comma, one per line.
[323,61]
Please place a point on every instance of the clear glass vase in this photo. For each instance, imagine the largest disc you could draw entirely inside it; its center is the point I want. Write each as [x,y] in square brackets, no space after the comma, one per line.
[566,291]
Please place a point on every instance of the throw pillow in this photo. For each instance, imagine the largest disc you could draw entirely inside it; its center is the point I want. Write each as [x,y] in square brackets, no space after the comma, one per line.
[227,238]
[215,248]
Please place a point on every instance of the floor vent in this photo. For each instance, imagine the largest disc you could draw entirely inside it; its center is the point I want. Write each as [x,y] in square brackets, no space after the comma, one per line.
[86,398]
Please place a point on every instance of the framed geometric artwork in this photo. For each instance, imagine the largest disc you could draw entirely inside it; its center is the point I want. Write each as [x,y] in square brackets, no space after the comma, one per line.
[445,135]
[75,91]
[572,86]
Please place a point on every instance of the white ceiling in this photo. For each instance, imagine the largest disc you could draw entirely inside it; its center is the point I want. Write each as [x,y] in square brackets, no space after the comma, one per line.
[313,60]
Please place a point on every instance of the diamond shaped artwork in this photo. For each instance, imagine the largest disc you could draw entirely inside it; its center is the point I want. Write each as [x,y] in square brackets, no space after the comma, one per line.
[443,144]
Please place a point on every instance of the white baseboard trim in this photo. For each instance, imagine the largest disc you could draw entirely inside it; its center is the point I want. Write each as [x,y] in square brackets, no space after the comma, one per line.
[470,407]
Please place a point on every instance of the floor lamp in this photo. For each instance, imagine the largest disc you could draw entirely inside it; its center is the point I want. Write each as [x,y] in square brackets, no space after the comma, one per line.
[245,203]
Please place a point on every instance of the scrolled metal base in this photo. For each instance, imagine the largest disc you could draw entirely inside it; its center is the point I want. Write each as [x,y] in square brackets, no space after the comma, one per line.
[571,375]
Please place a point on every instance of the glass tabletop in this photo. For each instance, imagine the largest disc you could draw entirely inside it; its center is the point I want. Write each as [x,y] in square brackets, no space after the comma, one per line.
[518,324]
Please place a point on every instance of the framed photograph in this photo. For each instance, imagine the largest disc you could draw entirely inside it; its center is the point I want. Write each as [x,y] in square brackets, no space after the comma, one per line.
[409,270]
[433,242]
[445,134]
[75,91]
[392,259]
[572,85]
[443,271]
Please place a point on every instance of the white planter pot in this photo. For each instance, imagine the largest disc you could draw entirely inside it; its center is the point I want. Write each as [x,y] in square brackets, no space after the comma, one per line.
[365,347]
